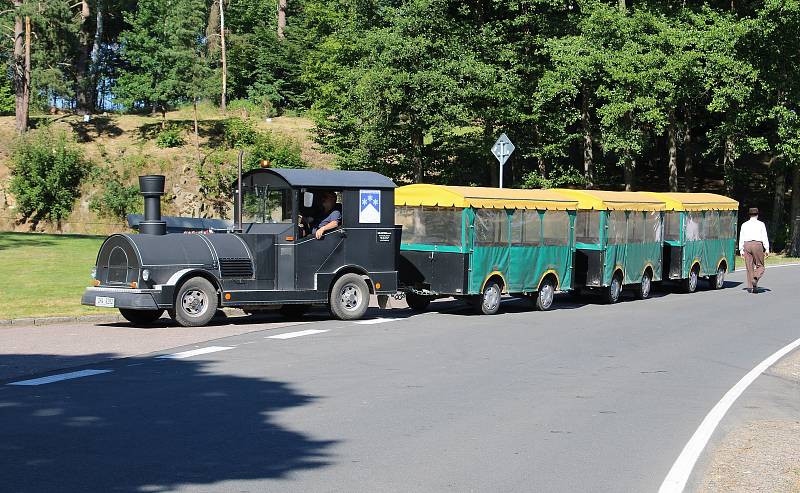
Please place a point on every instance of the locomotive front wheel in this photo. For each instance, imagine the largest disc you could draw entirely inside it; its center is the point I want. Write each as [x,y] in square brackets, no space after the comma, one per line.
[349,297]
[140,317]
[196,303]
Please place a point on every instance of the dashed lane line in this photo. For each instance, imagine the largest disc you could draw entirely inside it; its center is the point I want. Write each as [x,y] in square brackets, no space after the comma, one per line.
[679,474]
[194,352]
[60,377]
[301,333]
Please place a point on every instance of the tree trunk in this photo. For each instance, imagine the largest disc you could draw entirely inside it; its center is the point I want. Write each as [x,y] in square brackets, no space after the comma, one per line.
[281,19]
[163,117]
[588,142]
[672,138]
[26,95]
[196,132]
[83,89]
[542,164]
[629,171]
[622,6]
[18,67]
[728,160]
[494,168]
[95,57]
[778,201]
[794,239]
[416,149]
[688,165]
[223,98]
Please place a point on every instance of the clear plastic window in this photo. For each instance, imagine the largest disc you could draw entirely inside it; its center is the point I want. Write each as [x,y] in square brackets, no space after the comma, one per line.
[429,225]
[587,227]
[652,227]
[526,228]
[636,226]
[711,225]
[728,224]
[555,228]
[260,204]
[693,226]
[672,226]
[491,227]
[617,227]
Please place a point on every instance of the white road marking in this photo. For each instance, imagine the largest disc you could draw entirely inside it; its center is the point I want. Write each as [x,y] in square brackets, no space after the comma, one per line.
[378,320]
[291,335]
[60,377]
[194,352]
[679,474]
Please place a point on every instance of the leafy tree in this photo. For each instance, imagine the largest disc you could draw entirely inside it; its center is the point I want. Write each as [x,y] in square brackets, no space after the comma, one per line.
[161,51]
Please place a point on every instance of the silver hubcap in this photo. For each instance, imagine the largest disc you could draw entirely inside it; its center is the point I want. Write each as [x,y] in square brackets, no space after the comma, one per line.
[615,289]
[350,297]
[491,297]
[693,280]
[720,278]
[194,302]
[646,286]
[546,295]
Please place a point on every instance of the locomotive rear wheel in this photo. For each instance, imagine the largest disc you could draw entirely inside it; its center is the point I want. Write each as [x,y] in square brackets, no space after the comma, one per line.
[349,297]
[196,303]
[140,317]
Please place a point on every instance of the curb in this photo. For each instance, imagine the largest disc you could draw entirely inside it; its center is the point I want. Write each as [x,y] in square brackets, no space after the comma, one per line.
[16,322]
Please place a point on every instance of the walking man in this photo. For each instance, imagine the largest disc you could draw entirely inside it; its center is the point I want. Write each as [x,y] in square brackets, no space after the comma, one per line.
[753,246]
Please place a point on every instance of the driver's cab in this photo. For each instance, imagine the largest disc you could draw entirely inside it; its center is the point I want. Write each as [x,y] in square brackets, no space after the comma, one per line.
[282,208]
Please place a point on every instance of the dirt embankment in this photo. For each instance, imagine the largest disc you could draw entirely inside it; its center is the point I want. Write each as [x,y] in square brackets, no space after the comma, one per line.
[125,144]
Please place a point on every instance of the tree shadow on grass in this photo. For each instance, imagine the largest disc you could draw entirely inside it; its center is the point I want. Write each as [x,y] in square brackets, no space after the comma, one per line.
[95,128]
[208,129]
[150,425]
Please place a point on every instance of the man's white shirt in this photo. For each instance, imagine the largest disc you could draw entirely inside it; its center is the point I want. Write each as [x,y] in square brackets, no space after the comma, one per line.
[753,230]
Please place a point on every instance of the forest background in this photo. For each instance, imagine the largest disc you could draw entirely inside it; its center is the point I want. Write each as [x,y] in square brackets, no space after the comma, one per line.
[638,95]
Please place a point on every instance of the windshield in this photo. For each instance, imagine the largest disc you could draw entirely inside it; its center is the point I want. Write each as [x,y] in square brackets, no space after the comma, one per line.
[260,204]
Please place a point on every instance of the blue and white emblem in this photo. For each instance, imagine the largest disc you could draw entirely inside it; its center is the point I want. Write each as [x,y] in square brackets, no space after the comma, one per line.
[370,211]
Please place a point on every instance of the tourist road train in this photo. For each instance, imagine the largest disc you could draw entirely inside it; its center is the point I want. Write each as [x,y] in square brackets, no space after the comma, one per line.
[424,241]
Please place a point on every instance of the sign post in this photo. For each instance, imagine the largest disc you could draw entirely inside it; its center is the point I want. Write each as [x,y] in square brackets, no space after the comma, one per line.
[502,150]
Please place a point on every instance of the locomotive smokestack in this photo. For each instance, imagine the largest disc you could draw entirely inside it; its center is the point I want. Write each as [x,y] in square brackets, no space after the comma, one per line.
[152,188]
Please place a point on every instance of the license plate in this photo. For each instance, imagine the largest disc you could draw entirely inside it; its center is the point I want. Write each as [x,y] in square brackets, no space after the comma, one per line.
[105,301]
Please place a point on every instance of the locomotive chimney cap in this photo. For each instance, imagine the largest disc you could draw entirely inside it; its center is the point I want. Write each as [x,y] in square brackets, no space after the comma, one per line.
[152,185]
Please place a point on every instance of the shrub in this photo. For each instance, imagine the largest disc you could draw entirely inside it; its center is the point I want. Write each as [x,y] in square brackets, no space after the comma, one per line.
[250,109]
[117,200]
[238,133]
[47,170]
[170,137]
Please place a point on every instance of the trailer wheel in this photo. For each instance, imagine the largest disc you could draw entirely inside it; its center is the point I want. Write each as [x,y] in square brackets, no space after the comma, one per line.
[349,297]
[545,294]
[488,302]
[614,290]
[140,317]
[196,303]
[718,281]
[646,286]
[294,311]
[417,302]
[690,284]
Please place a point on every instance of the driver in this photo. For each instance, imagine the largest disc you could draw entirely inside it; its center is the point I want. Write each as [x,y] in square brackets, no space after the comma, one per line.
[331,214]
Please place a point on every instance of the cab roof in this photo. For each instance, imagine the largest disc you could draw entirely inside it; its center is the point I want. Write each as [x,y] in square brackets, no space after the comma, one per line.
[605,200]
[676,201]
[326,178]
[482,198]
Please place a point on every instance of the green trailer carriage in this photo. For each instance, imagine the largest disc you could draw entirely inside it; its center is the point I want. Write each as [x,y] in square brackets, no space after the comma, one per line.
[617,242]
[699,237]
[478,243]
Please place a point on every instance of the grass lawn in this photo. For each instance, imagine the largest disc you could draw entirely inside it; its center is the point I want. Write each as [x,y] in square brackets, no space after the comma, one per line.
[773,259]
[44,275]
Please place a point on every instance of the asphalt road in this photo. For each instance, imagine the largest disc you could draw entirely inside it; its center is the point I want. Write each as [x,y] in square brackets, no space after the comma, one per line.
[586,397]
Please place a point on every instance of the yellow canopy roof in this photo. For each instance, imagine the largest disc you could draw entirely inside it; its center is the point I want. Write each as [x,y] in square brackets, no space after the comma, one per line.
[604,200]
[677,201]
[481,198]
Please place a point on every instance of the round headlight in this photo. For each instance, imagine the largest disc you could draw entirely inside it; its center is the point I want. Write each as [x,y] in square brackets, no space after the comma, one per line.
[94,272]
[146,275]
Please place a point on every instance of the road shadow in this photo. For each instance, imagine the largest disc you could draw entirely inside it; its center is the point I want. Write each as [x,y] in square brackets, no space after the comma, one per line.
[151,425]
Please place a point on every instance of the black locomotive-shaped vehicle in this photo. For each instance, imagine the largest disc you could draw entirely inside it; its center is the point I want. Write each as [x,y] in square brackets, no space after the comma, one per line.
[270,257]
